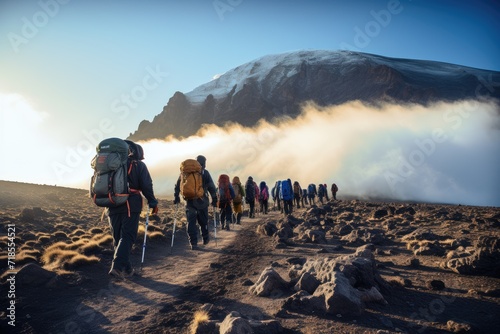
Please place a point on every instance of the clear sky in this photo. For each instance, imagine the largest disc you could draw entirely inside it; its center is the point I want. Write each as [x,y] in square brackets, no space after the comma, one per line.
[73,70]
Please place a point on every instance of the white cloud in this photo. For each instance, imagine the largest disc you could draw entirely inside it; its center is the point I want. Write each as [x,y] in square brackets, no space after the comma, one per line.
[447,152]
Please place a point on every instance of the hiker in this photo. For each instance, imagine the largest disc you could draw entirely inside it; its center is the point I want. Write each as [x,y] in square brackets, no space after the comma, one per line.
[304,198]
[286,195]
[275,193]
[239,194]
[257,194]
[225,195]
[250,196]
[311,193]
[297,194]
[334,191]
[321,192]
[124,219]
[197,206]
[326,192]
[263,197]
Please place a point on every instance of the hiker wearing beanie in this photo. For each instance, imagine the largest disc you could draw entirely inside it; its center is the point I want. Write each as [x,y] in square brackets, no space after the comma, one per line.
[250,196]
[197,201]
[239,194]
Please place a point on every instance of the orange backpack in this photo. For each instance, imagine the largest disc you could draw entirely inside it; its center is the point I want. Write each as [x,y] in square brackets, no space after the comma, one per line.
[191,179]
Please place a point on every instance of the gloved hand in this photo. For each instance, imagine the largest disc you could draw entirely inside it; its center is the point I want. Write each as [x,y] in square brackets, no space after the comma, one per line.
[154,206]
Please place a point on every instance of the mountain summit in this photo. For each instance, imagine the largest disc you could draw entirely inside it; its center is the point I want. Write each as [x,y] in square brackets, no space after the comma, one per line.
[277,85]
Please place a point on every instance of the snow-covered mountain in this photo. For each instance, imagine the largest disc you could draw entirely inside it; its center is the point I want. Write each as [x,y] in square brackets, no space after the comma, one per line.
[277,85]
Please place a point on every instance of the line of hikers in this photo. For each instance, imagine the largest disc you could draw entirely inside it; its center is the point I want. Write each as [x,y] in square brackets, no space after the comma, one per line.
[195,184]
[121,178]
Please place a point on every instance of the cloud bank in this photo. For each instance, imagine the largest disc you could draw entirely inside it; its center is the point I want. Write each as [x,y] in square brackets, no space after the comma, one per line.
[446,152]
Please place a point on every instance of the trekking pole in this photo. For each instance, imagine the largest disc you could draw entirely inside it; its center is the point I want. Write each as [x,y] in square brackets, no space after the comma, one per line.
[215,227]
[144,243]
[173,228]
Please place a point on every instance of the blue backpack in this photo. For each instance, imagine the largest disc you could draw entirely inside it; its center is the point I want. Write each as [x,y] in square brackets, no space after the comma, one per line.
[286,191]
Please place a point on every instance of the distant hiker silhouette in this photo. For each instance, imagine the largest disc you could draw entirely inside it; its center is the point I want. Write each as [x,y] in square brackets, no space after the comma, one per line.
[275,193]
[321,192]
[196,197]
[225,196]
[311,193]
[286,195]
[334,191]
[263,197]
[239,195]
[297,194]
[250,196]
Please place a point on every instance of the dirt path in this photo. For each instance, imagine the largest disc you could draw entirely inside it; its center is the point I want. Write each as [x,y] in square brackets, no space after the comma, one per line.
[173,285]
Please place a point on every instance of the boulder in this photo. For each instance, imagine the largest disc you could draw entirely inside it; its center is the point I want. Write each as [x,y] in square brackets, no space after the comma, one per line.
[233,323]
[268,283]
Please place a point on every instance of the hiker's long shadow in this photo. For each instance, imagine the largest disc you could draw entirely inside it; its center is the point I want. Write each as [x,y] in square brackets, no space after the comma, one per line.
[196,295]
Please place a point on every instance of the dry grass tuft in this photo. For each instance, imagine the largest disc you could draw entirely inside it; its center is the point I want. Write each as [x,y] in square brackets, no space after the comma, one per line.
[96,230]
[25,256]
[77,232]
[199,318]
[80,260]
[156,235]
[60,235]
[56,257]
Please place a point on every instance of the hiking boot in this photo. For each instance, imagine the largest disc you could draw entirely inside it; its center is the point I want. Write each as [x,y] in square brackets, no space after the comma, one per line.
[129,273]
[194,247]
[116,273]
[227,227]
[206,240]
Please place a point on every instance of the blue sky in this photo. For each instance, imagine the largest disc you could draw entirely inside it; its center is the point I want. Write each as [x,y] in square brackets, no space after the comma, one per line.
[73,70]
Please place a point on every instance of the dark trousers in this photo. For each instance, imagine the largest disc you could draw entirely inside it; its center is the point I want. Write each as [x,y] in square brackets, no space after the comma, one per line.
[264,205]
[287,206]
[226,213]
[251,212]
[194,216]
[296,197]
[124,231]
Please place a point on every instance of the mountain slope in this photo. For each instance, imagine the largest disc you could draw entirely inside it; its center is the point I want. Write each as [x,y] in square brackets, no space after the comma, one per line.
[277,85]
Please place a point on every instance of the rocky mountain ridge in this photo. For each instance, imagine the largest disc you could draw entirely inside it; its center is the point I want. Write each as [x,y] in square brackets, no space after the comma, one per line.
[277,85]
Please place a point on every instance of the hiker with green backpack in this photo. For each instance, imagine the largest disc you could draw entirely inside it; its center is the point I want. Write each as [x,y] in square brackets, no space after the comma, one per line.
[239,194]
[119,178]
[193,184]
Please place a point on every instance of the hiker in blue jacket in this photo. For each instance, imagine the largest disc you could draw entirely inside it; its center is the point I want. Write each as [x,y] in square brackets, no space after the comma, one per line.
[275,193]
[286,195]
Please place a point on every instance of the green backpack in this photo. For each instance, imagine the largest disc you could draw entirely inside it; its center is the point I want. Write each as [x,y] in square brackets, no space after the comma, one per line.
[109,184]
